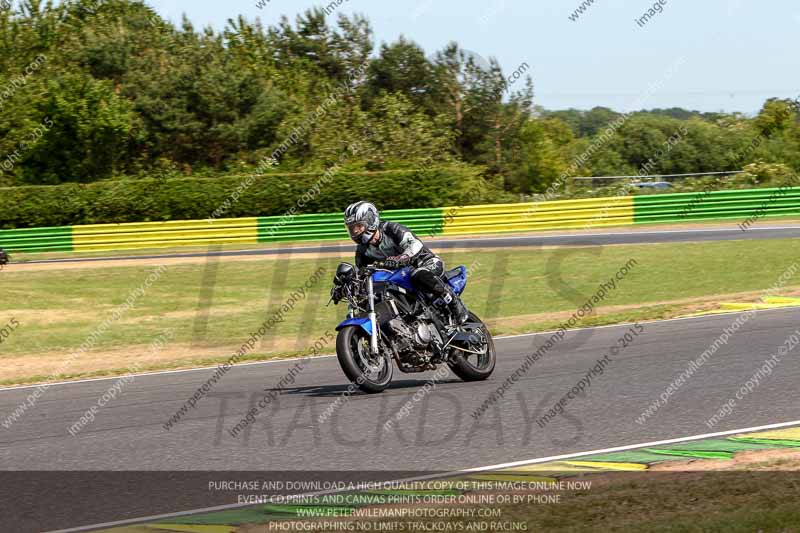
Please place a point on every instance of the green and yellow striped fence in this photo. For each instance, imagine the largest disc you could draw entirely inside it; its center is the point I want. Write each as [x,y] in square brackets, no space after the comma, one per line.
[446,221]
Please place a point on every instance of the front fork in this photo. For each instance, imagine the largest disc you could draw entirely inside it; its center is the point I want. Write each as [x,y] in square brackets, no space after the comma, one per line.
[373,341]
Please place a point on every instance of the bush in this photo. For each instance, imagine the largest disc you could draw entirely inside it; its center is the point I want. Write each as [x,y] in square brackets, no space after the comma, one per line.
[271,194]
[769,174]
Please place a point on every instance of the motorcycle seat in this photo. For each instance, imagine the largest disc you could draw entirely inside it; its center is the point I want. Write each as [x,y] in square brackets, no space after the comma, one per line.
[450,274]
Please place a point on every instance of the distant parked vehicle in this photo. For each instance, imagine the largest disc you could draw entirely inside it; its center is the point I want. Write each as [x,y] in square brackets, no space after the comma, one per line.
[652,185]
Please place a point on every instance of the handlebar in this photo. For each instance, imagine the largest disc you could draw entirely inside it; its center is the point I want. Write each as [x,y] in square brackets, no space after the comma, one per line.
[379,265]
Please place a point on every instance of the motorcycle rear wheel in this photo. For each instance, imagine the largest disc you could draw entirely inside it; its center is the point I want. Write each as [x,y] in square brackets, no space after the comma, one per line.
[461,362]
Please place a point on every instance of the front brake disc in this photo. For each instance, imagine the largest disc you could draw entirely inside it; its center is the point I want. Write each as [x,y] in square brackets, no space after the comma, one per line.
[374,364]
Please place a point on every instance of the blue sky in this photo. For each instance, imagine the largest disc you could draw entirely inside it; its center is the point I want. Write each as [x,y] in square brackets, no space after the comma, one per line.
[737,52]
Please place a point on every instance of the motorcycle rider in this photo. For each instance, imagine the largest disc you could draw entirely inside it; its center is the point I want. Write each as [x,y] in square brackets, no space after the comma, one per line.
[396,246]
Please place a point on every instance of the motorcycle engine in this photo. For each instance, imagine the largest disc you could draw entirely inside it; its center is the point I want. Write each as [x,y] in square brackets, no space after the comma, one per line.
[413,342]
[418,335]
[422,334]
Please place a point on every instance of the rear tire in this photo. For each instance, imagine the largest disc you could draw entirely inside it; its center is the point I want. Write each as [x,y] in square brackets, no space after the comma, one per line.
[462,365]
[370,374]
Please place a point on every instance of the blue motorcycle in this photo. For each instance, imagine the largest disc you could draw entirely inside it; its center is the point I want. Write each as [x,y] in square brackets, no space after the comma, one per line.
[389,320]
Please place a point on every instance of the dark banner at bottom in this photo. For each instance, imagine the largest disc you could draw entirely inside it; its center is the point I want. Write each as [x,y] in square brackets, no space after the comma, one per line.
[529,499]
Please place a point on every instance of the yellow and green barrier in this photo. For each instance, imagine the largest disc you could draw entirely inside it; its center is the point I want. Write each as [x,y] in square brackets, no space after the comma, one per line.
[717,205]
[555,215]
[37,239]
[448,221]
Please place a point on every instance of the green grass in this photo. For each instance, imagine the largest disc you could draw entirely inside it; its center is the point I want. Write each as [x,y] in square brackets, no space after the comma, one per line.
[730,502]
[59,308]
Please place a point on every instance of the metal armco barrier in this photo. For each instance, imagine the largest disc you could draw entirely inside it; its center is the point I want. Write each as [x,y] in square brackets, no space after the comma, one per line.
[462,220]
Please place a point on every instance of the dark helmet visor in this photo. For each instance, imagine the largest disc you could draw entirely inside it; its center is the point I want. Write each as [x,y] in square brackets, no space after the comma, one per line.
[355,229]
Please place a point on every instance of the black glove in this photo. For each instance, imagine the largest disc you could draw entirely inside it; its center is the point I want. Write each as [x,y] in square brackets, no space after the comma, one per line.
[396,261]
[337,293]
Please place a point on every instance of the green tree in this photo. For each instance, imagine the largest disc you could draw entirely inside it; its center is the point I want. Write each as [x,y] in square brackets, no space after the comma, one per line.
[401,67]
[539,155]
[87,130]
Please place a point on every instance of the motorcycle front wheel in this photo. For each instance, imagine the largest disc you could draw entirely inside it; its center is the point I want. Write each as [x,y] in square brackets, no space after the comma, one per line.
[370,373]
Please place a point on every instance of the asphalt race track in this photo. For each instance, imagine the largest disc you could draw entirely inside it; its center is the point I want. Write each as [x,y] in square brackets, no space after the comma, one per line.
[585,239]
[438,432]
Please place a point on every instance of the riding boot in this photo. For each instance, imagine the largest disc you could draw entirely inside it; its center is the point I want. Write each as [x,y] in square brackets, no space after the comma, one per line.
[454,304]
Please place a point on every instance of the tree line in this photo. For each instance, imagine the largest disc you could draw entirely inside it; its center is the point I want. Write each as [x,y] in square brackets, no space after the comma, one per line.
[96,90]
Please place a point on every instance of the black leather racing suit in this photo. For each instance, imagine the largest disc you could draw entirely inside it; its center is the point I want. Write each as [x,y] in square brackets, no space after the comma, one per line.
[397,240]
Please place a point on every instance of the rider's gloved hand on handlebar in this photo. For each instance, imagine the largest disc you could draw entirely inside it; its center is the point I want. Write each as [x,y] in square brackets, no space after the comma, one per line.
[337,293]
[396,261]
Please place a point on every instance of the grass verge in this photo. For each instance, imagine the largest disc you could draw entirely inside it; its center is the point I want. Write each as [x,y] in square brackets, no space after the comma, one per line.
[678,502]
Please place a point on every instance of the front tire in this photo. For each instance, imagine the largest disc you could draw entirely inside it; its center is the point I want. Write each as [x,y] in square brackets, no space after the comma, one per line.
[475,367]
[370,373]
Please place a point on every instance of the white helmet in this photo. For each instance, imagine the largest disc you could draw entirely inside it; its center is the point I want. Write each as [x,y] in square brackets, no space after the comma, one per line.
[361,219]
